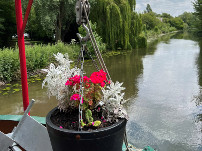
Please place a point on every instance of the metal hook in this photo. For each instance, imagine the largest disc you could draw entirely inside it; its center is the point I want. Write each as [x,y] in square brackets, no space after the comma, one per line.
[87,37]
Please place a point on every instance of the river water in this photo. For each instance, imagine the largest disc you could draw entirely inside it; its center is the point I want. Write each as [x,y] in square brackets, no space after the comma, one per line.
[164,91]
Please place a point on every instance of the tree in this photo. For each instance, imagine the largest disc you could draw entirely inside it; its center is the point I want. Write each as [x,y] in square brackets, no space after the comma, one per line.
[7,21]
[116,22]
[150,20]
[188,18]
[198,12]
[148,8]
[132,4]
[55,16]
[177,22]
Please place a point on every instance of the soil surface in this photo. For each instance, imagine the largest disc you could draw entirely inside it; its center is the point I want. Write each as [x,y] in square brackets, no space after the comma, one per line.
[69,120]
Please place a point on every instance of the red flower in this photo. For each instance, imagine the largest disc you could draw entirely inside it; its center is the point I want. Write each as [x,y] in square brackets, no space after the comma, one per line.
[98,77]
[69,82]
[85,79]
[73,81]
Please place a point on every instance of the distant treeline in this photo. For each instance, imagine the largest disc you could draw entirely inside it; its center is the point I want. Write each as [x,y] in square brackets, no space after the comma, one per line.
[118,25]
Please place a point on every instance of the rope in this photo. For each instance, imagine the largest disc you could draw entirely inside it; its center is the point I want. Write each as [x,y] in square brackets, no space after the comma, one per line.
[93,61]
[93,41]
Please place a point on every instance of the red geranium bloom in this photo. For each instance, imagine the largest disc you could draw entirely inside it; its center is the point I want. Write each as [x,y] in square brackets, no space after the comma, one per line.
[98,77]
[85,79]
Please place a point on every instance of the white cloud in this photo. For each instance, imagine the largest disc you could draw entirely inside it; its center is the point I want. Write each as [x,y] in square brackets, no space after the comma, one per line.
[173,7]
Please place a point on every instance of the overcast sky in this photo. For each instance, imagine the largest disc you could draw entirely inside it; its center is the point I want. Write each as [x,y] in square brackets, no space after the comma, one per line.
[173,7]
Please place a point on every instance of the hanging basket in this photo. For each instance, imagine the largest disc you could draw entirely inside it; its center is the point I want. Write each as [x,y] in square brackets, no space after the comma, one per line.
[104,139]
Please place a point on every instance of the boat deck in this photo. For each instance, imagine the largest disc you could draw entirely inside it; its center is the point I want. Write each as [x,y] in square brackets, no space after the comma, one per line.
[8,122]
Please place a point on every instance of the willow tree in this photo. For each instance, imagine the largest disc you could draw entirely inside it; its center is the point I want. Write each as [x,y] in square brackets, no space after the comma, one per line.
[117,23]
[132,4]
[135,29]
[113,19]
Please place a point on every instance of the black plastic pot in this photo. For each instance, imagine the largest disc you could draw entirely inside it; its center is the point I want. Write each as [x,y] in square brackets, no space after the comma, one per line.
[104,139]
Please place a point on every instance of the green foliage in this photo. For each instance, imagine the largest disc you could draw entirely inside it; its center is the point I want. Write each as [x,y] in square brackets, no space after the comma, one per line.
[156,29]
[7,21]
[148,8]
[9,65]
[132,4]
[166,16]
[35,28]
[135,30]
[142,41]
[115,20]
[198,13]
[176,22]
[88,116]
[37,57]
[52,17]
[189,19]
[101,45]
[150,20]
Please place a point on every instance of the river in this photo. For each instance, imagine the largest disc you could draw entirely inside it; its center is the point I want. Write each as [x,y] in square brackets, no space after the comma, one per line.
[164,91]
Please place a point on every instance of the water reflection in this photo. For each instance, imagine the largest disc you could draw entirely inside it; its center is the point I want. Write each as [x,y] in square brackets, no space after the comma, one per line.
[163,113]
[198,98]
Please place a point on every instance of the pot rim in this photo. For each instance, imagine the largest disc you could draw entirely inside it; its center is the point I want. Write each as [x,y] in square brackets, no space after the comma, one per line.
[113,127]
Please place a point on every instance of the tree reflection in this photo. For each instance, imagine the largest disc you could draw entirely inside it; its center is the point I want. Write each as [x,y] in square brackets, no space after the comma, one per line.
[198,99]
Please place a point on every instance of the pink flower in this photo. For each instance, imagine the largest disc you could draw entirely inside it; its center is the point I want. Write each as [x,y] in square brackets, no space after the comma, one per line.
[61,127]
[102,118]
[76,97]
[68,82]
[93,123]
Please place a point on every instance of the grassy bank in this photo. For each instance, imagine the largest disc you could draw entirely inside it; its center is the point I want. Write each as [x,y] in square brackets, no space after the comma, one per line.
[37,57]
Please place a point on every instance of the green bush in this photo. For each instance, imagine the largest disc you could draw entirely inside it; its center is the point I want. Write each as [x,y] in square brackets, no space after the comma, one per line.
[9,64]
[142,41]
[37,57]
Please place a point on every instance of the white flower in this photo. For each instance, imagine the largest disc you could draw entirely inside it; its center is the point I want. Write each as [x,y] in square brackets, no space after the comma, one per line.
[57,77]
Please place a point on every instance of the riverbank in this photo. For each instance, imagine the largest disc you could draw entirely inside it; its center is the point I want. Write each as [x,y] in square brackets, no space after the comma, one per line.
[40,56]
[156,36]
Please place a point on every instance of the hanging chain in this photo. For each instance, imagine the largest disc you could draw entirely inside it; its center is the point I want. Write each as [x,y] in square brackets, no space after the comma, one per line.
[81,87]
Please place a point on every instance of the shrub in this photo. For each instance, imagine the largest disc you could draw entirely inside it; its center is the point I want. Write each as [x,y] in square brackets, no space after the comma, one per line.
[37,57]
